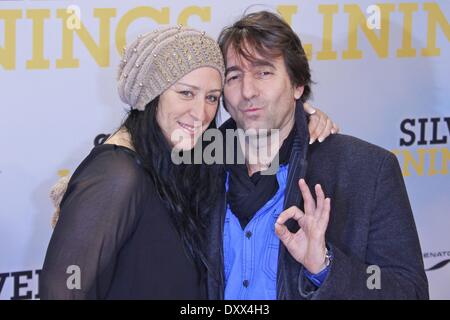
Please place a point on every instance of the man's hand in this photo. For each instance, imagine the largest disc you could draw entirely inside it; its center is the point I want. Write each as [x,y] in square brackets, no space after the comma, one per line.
[307,246]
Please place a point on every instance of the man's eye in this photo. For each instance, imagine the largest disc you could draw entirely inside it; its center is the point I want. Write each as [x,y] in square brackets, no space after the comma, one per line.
[264,73]
[232,78]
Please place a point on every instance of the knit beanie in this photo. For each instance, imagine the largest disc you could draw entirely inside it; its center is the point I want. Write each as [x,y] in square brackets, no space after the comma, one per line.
[158,59]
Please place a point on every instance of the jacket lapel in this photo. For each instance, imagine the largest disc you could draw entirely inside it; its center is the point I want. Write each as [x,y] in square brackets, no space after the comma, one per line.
[297,169]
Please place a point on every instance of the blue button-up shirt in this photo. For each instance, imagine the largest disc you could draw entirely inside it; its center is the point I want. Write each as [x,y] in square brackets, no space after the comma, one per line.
[251,255]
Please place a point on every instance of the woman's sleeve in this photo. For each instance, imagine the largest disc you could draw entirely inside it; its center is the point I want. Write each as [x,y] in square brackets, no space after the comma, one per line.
[98,213]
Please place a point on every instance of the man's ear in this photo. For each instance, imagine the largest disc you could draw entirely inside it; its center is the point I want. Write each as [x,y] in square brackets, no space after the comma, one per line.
[298,92]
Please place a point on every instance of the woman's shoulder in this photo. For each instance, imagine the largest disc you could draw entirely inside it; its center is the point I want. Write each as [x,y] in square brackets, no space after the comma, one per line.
[109,169]
[114,163]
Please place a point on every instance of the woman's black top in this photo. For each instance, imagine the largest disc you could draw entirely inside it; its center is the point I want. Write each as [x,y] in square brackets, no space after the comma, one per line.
[114,238]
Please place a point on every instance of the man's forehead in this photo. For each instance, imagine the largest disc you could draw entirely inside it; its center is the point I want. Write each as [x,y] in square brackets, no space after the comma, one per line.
[242,50]
[250,58]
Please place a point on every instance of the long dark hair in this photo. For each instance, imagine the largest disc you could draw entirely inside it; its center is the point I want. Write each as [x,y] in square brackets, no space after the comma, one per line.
[188,190]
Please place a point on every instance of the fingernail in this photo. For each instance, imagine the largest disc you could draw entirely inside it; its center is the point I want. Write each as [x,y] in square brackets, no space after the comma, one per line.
[311,140]
[302,180]
[320,140]
[332,131]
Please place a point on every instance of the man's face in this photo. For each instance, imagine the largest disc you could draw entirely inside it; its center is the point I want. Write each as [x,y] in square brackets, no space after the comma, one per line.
[259,94]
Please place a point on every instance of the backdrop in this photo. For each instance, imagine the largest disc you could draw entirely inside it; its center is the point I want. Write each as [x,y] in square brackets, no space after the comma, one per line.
[381,72]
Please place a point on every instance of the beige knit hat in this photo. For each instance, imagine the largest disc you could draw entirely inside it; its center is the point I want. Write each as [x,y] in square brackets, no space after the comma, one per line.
[158,59]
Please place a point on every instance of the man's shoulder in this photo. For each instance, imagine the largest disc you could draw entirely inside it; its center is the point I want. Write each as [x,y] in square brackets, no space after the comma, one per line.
[349,149]
[351,162]
[349,141]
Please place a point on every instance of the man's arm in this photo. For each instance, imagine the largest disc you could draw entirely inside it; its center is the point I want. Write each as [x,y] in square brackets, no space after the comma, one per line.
[393,246]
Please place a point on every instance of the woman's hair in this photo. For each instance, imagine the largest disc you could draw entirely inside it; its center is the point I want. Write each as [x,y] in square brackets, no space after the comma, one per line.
[188,190]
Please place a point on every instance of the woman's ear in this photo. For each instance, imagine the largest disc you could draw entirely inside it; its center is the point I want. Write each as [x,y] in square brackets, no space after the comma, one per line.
[298,92]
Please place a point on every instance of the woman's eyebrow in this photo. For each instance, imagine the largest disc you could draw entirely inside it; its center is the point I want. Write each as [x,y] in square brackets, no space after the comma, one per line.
[189,85]
[197,88]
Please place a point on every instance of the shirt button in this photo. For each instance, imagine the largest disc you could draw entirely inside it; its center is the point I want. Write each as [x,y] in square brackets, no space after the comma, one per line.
[248,234]
[246,283]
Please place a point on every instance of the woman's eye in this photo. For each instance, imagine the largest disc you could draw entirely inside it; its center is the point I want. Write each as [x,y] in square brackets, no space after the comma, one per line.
[187,94]
[212,99]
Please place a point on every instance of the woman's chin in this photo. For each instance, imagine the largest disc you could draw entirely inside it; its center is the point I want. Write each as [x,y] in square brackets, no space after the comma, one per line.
[186,144]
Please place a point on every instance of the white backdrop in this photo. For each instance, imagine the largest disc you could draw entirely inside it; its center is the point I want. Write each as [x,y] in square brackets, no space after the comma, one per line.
[58,92]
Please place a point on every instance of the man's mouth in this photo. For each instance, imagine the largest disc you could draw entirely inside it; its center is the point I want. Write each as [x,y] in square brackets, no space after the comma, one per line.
[252,109]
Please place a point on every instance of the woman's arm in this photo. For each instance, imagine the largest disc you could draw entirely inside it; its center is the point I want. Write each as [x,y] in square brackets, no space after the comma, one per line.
[97,215]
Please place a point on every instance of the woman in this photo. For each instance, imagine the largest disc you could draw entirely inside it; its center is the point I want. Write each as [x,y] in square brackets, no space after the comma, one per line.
[132,223]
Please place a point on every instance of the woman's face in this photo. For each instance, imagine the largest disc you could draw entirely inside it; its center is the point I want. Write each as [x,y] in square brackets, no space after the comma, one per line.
[187,108]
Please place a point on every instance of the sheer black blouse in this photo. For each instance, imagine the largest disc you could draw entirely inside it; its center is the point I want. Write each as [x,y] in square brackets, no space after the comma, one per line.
[117,232]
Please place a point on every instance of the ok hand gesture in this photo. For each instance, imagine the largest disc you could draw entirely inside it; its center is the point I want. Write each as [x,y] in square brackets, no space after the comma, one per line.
[308,245]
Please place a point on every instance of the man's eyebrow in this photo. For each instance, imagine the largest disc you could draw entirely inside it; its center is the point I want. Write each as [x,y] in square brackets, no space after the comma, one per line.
[255,63]
[231,69]
[262,63]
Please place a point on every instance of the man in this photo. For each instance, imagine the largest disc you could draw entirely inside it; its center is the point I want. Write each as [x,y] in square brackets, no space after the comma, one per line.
[270,239]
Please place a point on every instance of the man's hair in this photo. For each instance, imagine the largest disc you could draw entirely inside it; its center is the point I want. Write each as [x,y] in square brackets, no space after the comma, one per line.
[270,36]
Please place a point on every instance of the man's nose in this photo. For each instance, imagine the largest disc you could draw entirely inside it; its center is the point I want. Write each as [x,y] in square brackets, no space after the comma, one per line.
[249,89]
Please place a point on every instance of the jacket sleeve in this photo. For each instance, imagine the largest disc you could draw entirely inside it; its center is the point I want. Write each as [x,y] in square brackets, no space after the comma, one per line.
[393,247]
[98,213]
